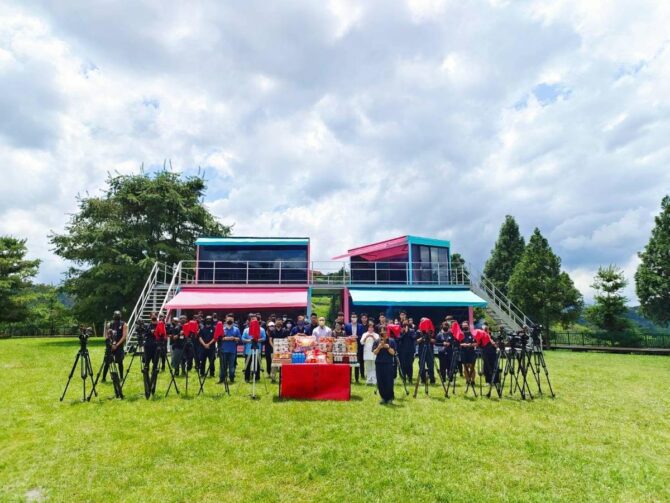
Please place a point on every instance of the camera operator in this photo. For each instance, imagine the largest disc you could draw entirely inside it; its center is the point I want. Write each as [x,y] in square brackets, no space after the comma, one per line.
[468,355]
[426,341]
[155,335]
[444,350]
[178,340]
[118,332]
[488,347]
[406,350]
[163,342]
[206,348]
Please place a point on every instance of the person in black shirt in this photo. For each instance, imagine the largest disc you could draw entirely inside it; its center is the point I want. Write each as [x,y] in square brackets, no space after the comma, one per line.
[443,349]
[206,347]
[468,355]
[178,341]
[406,350]
[385,350]
[119,335]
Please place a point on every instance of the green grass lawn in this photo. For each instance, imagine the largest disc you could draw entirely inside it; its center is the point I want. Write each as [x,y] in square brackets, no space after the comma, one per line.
[606,437]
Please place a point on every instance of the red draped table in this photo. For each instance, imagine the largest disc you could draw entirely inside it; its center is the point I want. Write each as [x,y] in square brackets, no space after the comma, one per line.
[315,381]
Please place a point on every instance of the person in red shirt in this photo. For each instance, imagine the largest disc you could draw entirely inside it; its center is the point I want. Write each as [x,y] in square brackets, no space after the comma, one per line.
[489,354]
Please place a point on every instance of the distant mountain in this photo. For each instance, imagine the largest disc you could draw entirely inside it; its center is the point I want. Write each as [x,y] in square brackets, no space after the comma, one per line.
[638,319]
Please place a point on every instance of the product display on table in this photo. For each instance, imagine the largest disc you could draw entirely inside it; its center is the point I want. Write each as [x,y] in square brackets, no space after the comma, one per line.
[306,349]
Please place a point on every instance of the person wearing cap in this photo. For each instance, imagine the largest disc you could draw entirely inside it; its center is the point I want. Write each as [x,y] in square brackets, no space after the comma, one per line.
[384,350]
[177,341]
[206,348]
[227,346]
[322,330]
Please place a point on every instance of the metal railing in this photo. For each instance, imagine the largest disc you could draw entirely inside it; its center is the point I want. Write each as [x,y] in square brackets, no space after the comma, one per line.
[626,339]
[499,303]
[336,273]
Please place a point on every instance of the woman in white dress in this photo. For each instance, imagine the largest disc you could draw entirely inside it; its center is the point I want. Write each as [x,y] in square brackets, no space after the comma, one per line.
[367,340]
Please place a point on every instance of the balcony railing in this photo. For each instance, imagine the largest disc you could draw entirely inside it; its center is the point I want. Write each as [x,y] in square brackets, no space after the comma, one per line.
[323,273]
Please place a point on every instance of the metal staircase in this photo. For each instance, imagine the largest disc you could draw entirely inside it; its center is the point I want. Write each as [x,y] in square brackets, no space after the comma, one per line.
[161,286]
[499,307]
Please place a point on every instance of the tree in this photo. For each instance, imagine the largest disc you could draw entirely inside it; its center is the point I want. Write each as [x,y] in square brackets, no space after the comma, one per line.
[609,311]
[537,285]
[652,279]
[15,275]
[114,239]
[505,254]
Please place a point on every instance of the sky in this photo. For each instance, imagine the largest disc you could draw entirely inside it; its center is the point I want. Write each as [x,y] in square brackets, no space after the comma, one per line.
[348,122]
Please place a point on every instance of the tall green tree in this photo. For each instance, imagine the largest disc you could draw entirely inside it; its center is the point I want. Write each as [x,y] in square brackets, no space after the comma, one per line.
[652,279]
[15,278]
[540,289]
[114,239]
[609,311]
[505,254]
[459,271]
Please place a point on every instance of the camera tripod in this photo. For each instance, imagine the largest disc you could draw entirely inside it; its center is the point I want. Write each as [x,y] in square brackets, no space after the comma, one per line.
[495,375]
[515,366]
[252,364]
[86,369]
[109,360]
[161,353]
[536,361]
[202,378]
[453,371]
[423,368]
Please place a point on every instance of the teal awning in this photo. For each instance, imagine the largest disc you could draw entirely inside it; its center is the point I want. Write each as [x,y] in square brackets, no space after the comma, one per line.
[414,297]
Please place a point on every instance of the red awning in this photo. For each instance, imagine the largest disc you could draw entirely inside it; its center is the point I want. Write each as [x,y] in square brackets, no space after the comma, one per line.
[377,251]
[238,298]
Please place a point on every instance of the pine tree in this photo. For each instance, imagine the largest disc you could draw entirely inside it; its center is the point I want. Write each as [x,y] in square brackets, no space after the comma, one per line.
[608,312]
[537,285]
[505,255]
[652,279]
[15,275]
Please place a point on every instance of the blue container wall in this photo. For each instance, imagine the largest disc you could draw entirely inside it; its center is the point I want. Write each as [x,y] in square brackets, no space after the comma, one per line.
[267,264]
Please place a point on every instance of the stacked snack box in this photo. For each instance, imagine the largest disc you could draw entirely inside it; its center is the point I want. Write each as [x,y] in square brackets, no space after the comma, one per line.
[345,350]
[281,352]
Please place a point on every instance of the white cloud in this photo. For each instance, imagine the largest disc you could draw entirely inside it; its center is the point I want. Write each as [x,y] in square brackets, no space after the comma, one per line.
[348,123]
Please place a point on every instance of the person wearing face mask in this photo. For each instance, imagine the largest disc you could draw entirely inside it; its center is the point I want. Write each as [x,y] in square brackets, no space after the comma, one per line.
[227,346]
[313,323]
[406,350]
[177,340]
[384,351]
[321,329]
[300,326]
[360,330]
[367,341]
[267,347]
[468,355]
[119,335]
[206,347]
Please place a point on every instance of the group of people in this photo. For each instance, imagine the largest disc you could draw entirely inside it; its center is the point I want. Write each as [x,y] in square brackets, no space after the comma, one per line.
[386,347]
